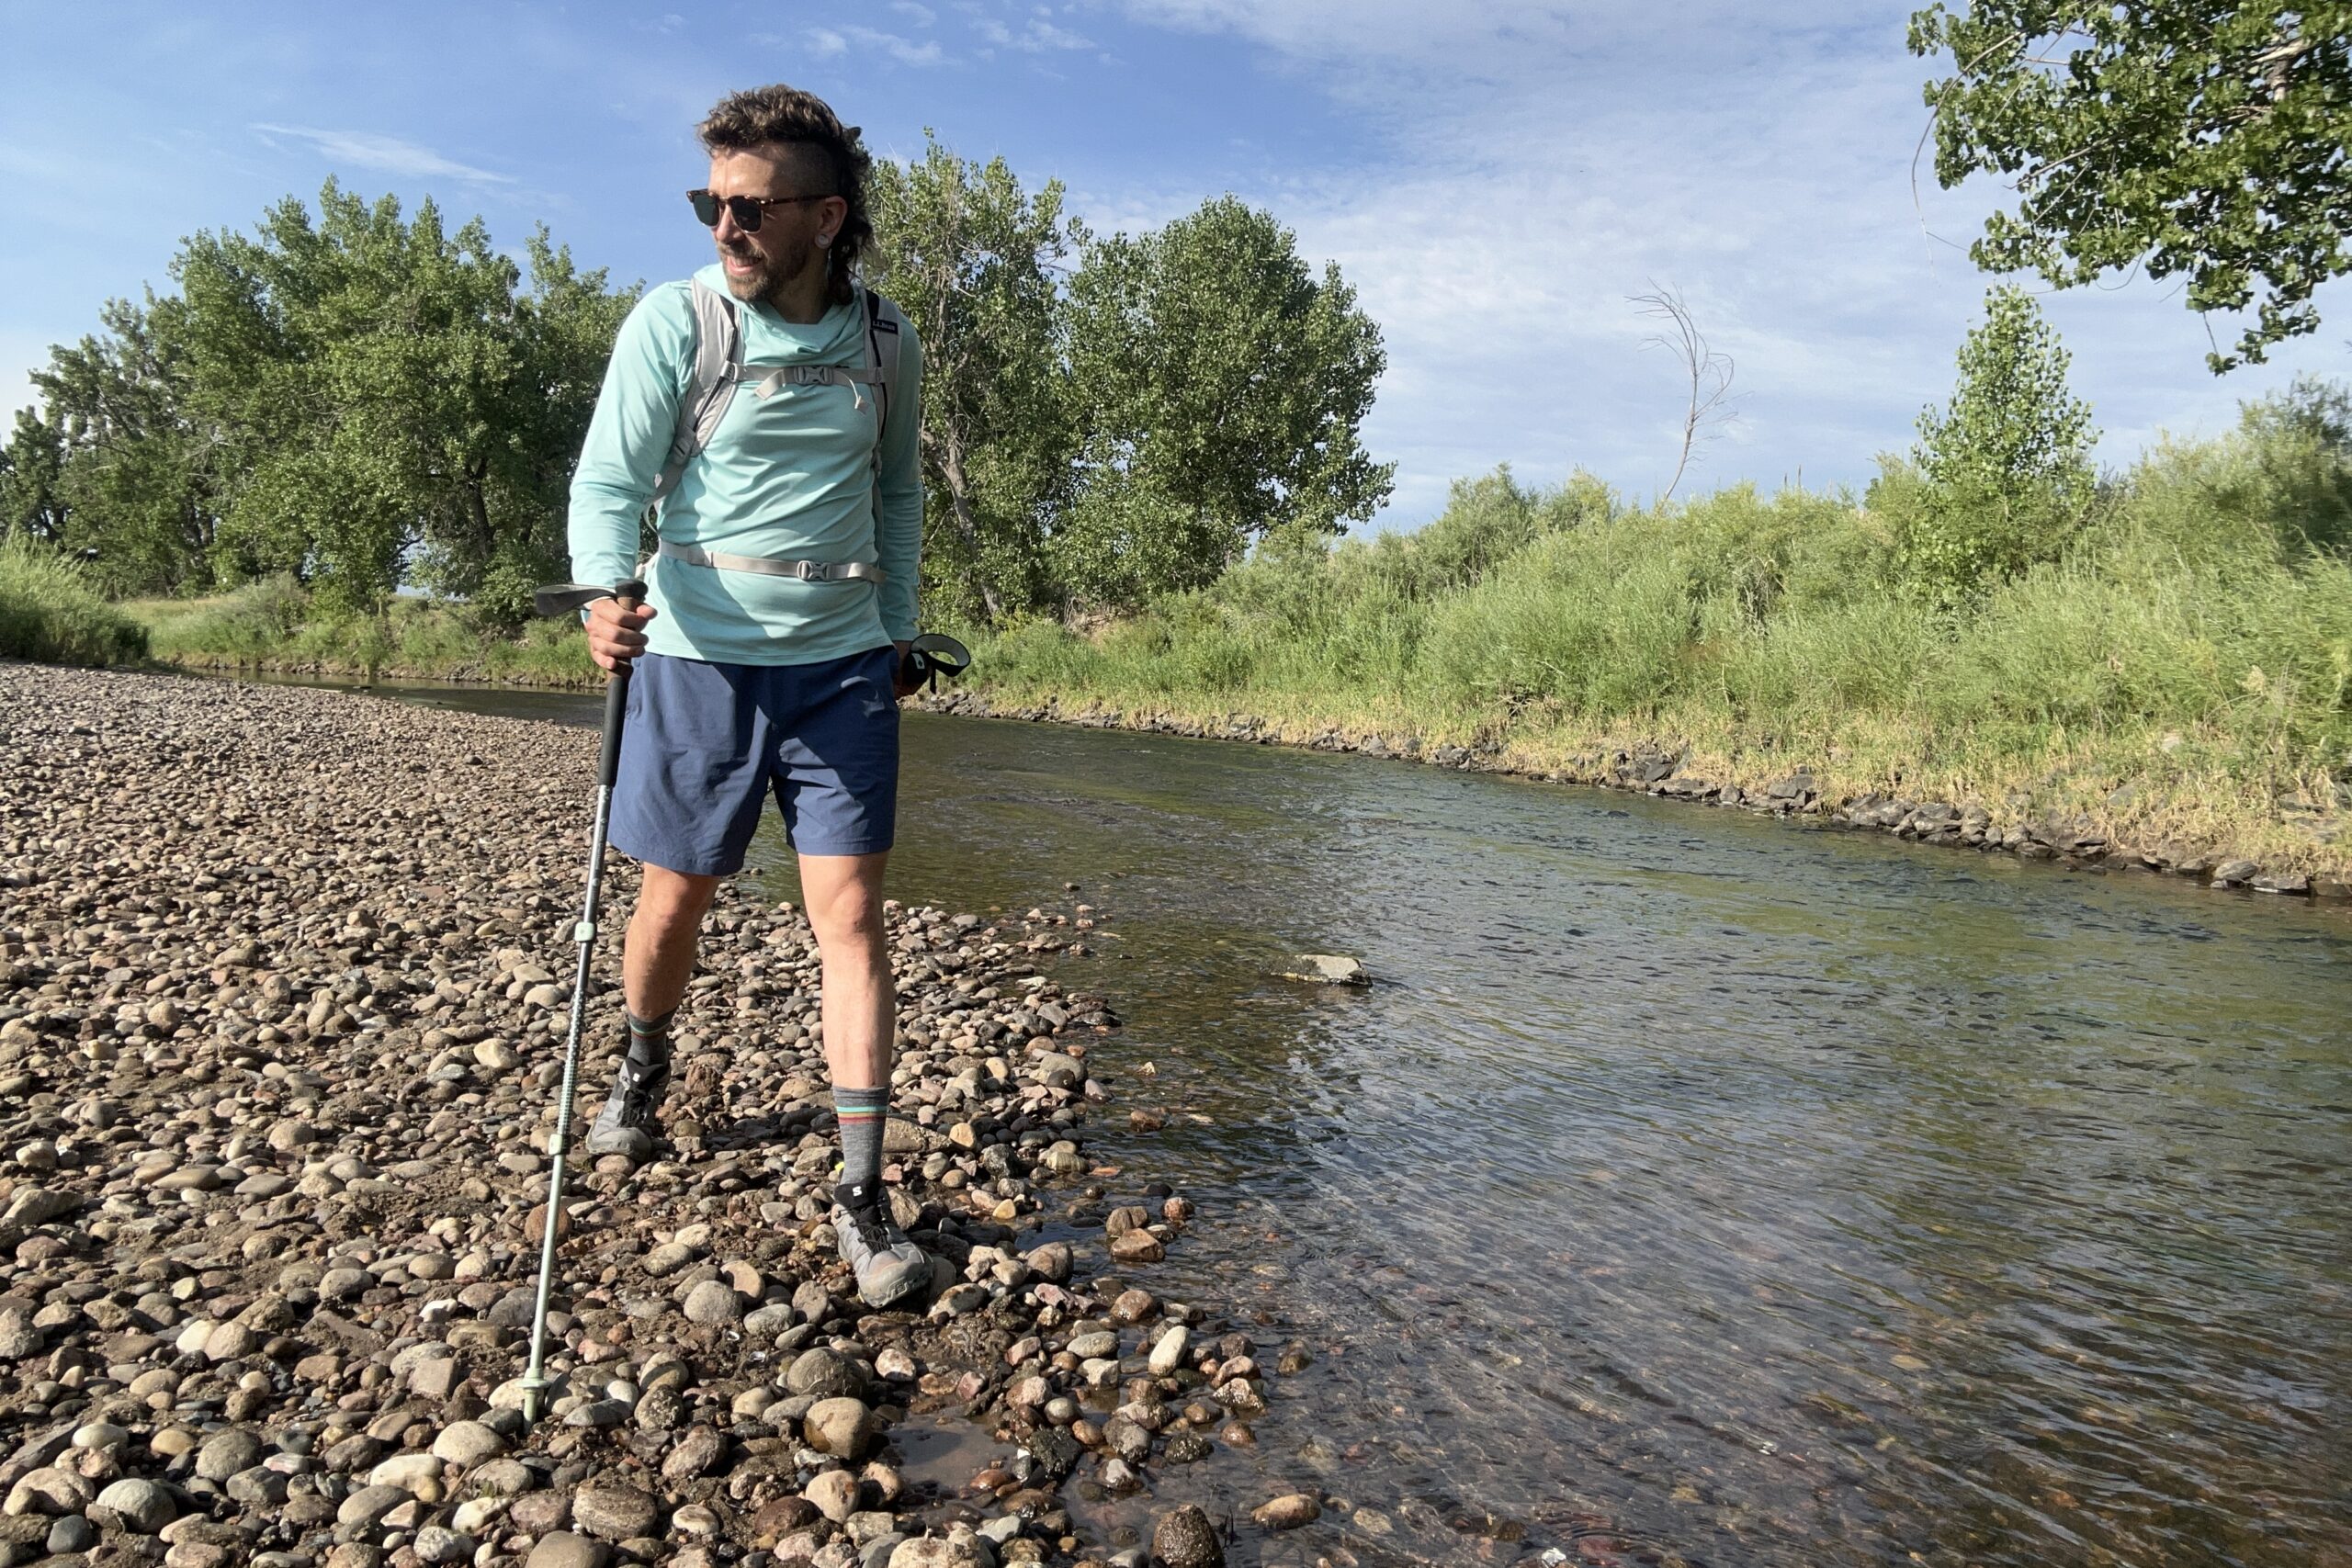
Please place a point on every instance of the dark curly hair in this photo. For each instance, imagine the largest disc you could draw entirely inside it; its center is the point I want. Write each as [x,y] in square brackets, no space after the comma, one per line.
[828,151]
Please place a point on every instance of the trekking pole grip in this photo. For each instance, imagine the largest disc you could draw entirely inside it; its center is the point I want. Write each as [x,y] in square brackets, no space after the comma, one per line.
[608,765]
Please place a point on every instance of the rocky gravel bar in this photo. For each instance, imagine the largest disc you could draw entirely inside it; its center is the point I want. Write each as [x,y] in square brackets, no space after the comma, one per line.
[284,980]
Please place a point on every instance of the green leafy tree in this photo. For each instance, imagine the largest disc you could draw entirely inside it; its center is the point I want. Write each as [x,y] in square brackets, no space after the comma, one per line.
[391,408]
[972,259]
[126,482]
[31,505]
[1220,390]
[2204,137]
[2006,464]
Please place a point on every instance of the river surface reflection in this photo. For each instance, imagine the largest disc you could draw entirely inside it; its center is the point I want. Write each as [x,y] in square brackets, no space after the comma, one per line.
[1695,1186]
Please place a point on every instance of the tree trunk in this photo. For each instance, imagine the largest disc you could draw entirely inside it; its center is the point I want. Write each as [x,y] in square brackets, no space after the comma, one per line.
[959,508]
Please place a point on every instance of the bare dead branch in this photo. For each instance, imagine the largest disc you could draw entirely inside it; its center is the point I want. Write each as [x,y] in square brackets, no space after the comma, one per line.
[1711,374]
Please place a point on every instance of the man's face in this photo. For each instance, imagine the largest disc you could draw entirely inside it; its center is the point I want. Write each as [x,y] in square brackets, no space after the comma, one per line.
[759,264]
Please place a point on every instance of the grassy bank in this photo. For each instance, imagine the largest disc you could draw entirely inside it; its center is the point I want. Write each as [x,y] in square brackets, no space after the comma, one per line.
[49,612]
[277,626]
[2180,674]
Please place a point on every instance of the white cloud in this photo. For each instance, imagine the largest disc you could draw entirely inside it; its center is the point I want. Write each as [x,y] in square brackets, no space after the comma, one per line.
[388,154]
[923,16]
[830,41]
[1541,163]
[1035,36]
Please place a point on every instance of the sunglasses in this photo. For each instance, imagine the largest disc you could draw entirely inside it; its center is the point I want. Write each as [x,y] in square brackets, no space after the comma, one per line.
[747,211]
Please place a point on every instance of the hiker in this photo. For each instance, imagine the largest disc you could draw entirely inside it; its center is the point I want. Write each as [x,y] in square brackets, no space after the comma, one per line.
[771,650]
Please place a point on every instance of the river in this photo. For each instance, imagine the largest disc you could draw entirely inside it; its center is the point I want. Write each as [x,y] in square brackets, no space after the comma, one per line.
[1693,1186]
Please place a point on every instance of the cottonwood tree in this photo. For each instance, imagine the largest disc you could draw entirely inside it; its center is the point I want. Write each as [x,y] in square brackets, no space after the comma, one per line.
[974,260]
[2007,461]
[2205,138]
[1221,387]
[116,469]
[31,464]
[360,400]
[389,407]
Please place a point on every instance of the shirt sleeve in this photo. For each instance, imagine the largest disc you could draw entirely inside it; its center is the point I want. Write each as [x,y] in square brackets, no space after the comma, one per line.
[629,436]
[898,513]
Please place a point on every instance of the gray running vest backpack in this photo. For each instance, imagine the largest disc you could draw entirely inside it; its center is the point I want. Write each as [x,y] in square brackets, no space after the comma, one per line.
[719,370]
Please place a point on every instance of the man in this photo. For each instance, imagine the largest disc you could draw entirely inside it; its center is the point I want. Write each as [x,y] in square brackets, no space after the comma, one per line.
[769,653]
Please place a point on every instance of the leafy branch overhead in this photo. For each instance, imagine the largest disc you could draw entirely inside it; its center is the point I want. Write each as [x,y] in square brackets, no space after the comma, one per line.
[2202,137]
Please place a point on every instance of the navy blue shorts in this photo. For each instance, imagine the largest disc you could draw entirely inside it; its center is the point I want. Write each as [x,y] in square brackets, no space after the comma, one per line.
[704,742]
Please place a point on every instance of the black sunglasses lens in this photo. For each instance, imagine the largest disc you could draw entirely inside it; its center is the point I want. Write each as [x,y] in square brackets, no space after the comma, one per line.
[745,212]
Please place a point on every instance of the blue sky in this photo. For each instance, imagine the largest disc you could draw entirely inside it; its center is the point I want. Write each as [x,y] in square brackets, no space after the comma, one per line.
[1496,179]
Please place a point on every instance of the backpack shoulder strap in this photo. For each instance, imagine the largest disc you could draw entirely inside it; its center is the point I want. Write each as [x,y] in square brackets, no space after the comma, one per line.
[718,358]
[884,338]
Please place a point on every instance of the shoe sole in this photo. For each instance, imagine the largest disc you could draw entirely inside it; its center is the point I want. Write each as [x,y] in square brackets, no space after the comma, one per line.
[640,1152]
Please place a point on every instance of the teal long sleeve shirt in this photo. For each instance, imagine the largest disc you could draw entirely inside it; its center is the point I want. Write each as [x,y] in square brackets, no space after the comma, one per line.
[790,477]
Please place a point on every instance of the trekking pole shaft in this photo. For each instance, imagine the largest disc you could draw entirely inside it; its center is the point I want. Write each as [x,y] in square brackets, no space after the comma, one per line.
[534,1377]
[584,936]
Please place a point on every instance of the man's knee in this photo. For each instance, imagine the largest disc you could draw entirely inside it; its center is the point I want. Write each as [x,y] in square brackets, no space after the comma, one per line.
[850,913]
[671,902]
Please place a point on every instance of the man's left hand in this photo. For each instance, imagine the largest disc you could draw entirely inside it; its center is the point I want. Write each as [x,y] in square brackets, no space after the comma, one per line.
[902,683]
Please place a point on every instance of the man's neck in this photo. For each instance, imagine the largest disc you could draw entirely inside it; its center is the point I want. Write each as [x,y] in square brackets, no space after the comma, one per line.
[802,299]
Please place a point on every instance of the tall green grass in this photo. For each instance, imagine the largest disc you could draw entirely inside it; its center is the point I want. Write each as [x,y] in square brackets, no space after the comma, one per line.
[50,612]
[2193,638]
[276,625]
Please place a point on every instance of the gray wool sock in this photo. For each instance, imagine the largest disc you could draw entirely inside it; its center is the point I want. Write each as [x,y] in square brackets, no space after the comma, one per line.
[861,1111]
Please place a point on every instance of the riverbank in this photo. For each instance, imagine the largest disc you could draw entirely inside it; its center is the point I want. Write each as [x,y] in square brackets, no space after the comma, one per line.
[281,1017]
[2145,800]
[2126,830]
[2172,691]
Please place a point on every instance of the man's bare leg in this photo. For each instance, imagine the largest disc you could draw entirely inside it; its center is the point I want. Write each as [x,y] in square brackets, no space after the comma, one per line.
[844,895]
[658,956]
[657,959]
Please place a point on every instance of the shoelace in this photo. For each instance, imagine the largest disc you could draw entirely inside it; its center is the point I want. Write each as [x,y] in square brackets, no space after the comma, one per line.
[640,1091]
[871,1229]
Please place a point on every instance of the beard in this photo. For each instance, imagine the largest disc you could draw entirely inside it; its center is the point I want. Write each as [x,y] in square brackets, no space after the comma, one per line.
[771,270]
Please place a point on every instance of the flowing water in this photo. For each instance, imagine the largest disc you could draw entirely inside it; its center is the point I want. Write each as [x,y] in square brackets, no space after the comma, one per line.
[1693,1186]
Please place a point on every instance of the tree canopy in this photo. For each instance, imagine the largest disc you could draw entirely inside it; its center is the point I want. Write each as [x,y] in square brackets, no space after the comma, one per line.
[368,400]
[2201,138]
[362,399]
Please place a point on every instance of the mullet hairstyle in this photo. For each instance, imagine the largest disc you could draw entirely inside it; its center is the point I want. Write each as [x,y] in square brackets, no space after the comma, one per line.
[828,150]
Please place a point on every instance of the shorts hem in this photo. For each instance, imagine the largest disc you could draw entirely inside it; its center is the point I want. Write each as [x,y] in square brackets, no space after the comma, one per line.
[662,861]
[882,848]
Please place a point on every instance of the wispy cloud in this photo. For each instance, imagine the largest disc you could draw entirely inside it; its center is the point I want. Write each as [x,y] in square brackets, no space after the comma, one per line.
[1035,36]
[387,155]
[1542,163]
[922,15]
[830,41]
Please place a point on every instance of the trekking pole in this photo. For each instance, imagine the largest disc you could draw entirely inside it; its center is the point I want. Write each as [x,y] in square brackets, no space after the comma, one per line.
[555,601]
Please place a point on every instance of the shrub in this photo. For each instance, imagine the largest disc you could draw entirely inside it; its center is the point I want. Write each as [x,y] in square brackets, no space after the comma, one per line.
[50,611]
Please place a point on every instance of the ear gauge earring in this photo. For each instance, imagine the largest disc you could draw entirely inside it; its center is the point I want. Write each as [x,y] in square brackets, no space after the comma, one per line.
[824,239]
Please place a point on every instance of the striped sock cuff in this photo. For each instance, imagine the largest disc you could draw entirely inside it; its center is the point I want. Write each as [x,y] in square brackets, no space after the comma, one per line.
[860,1104]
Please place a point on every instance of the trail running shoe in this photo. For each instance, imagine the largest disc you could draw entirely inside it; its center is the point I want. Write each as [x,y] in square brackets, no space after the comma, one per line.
[624,1126]
[887,1265]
